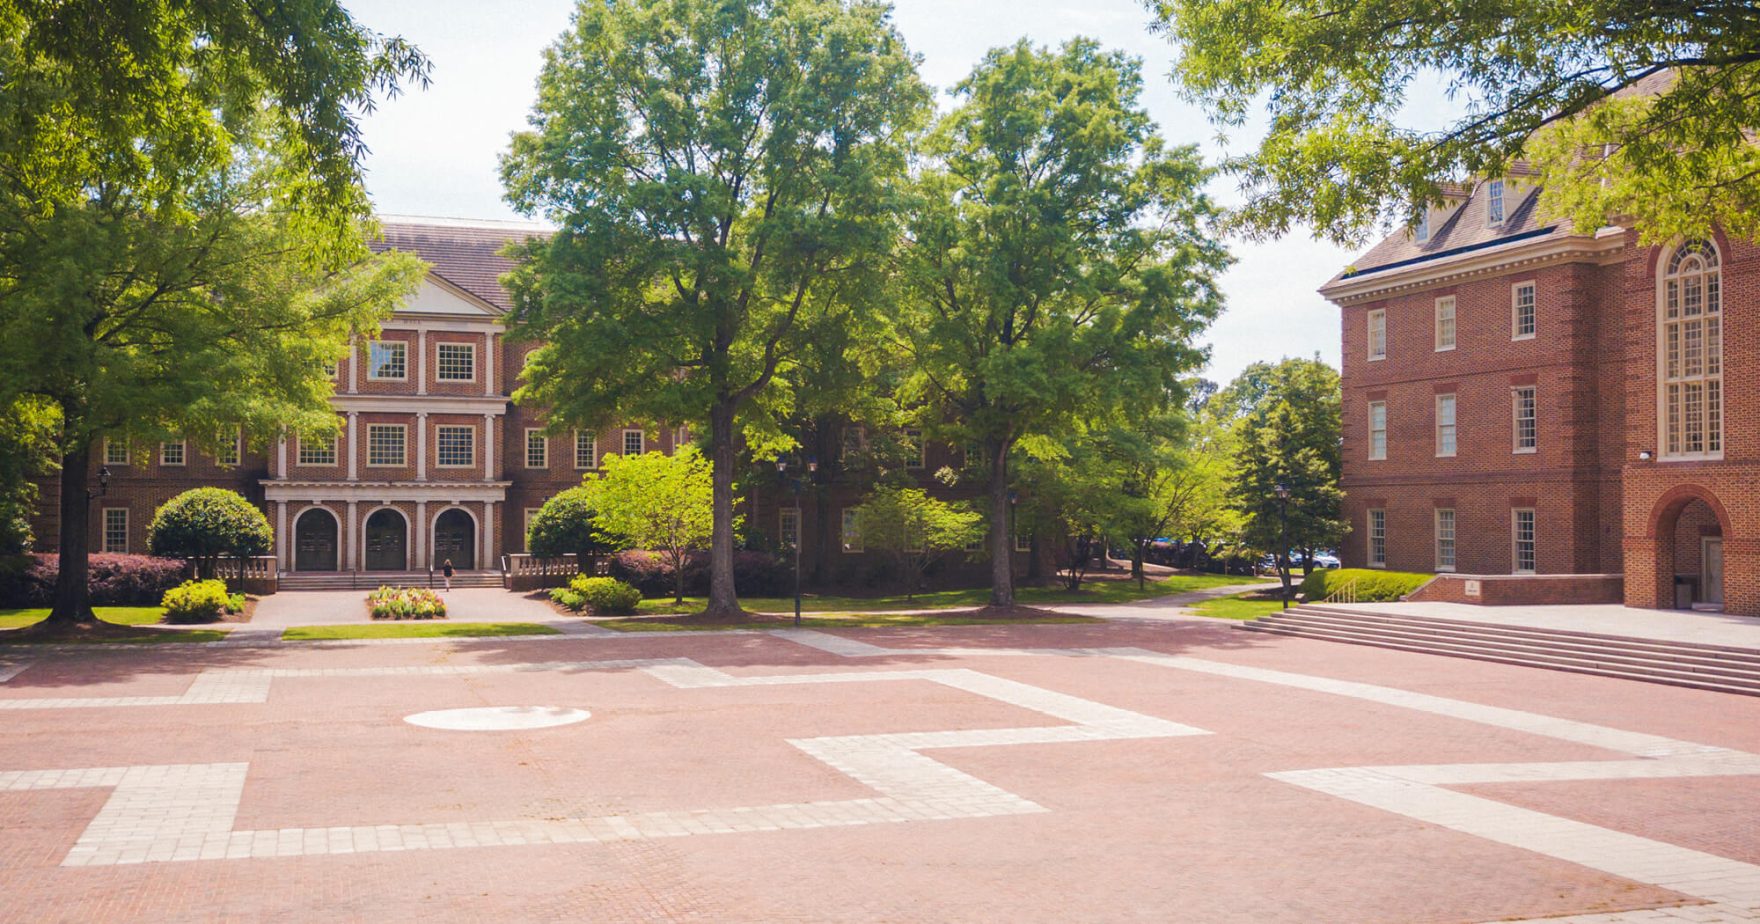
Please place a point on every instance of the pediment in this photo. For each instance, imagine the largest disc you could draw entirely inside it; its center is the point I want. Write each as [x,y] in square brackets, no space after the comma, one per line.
[438,296]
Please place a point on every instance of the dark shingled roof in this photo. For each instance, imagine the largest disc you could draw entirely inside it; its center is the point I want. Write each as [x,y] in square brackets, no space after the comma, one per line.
[464,253]
[1462,228]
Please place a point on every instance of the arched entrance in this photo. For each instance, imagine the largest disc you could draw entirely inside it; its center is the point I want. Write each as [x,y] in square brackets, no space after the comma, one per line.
[314,540]
[1687,533]
[455,539]
[387,541]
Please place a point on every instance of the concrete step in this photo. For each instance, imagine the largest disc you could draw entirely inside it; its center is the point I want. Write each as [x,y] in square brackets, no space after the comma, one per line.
[1658,644]
[370,580]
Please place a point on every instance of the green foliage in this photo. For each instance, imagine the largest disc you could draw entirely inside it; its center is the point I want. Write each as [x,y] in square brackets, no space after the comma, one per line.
[405,603]
[654,501]
[1541,81]
[915,529]
[1058,259]
[568,598]
[606,596]
[207,524]
[27,437]
[196,601]
[1373,585]
[564,525]
[725,179]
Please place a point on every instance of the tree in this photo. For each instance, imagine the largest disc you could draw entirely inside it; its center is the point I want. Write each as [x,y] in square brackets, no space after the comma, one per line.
[181,240]
[27,434]
[915,530]
[1057,261]
[564,526]
[1179,487]
[1629,109]
[1288,434]
[207,524]
[656,502]
[723,176]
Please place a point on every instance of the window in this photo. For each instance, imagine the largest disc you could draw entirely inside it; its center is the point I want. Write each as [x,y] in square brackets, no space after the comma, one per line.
[788,527]
[387,361]
[1421,228]
[531,514]
[1522,528]
[457,362]
[915,454]
[172,453]
[115,451]
[1526,413]
[1690,351]
[586,450]
[1378,334]
[1445,442]
[317,450]
[227,448]
[1494,202]
[1377,538]
[1377,430]
[854,441]
[1445,323]
[632,442]
[1444,539]
[455,447]
[385,444]
[852,534]
[116,530]
[537,449]
[1522,320]
[976,545]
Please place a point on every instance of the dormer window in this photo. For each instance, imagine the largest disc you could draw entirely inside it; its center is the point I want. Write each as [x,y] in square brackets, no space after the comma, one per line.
[1494,202]
[1421,229]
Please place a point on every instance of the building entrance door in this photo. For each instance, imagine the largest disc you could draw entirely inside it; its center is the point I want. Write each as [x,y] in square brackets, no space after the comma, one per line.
[314,541]
[455,539]
[387,537]
[1711,569]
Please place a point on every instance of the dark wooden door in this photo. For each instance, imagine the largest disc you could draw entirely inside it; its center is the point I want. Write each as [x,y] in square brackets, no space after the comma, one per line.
[314,542]
[387,540]
[455,538]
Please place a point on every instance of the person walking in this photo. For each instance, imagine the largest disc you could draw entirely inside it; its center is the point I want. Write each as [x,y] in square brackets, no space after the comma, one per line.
[446,570]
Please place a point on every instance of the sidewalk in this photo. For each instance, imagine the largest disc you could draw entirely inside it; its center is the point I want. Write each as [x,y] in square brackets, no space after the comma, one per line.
[1695,627]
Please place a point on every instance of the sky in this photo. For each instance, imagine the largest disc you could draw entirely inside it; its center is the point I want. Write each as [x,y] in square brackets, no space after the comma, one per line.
[434,151]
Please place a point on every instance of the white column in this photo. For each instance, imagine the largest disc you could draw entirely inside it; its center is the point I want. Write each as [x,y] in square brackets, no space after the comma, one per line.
[488,554]
[353,362]
[421,537]
[280,459]
[488,447]
[281,533]
[353,457]
[353,549]
[422,361]
[421,445]
[489,365]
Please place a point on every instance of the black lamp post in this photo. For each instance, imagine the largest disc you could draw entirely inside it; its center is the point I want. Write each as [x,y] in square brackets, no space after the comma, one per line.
[103,483]
[795,485]
[1282,491]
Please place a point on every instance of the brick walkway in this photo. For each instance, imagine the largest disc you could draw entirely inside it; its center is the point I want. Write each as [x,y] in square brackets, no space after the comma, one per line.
[1132,770]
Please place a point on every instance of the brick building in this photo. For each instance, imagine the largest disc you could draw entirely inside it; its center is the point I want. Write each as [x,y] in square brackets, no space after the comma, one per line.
[1525,398]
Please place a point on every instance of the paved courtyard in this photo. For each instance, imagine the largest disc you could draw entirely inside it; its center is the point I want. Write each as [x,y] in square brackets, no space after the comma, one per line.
[1137,770]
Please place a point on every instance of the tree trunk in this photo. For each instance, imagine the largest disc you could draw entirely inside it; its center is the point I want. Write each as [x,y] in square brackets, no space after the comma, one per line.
[678,561]
[1001,538]
[72,604]
[723,600]
[1140,552]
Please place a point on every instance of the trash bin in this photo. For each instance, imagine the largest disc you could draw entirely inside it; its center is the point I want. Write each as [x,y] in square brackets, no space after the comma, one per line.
[1686,591]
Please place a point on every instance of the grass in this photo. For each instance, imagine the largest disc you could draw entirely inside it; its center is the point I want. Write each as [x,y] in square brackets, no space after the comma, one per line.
[1106,591]
[840,621]
[118,615]
[422,629]
[1240,606]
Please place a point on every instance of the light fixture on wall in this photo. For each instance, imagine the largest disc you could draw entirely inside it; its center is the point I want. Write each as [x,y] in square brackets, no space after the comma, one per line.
[1645,455]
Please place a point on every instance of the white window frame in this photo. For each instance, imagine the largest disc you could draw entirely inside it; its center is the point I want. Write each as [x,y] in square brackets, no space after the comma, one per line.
[182,453]
[237,455]
[641,442]
[542,445]
[1494,209]
[1516,290]
[592,447]
[916,451]
[402,444]
[399,347]
[1375,535]
[329,458]
[1421,228]
[104,531]
[1516,419]
[1377,449]
[530,512]
[440,432]
[1515,540]
[788,519]
[1675,419]
[1377,322]
[1446,308]
[111,454]
[1447,538]
[440,349]
[849,533]
[1447,430]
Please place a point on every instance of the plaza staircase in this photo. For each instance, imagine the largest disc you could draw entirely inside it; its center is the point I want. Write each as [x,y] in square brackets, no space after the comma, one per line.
[369,580]
[1681,664]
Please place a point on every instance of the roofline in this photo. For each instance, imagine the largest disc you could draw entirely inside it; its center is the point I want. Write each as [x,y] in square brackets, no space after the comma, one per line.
[484,224]
[1498,256]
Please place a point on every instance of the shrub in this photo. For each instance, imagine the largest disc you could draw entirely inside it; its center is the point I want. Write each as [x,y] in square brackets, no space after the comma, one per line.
[235,603]
[607,596]
[568,598]
[564,525]
[112,580]
[195,601]
[405,603]
[1372,584]
[207,524]
[755,574]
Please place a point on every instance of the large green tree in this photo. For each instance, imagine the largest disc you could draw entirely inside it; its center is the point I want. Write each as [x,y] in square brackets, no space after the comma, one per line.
[723,176]
[656,502]
[181,241]
[1058,260]
[915,529]
[1630,109]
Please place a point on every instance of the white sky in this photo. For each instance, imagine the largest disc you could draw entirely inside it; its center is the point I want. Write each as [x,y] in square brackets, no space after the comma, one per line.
[434,152]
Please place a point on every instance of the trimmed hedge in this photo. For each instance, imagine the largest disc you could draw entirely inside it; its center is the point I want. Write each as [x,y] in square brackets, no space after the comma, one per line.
[755,574]
[568,598]
[1373,584]
[113,580]
[606,596]
[196,601]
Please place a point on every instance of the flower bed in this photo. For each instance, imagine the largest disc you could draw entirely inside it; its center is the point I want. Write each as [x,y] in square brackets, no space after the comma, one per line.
[405,603]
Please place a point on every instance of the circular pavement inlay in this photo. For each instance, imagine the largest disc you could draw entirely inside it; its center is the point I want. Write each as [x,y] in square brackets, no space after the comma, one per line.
[497,718]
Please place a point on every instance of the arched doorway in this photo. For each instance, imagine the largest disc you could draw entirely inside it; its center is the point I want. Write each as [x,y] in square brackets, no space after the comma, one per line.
[455,539]
[387,541]
[314,540]
[1687,532]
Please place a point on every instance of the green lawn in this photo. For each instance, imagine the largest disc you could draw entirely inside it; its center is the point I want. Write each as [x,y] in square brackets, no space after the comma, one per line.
[415,629]
[120,615]
[1092,592]
[838,621]
[1240,606]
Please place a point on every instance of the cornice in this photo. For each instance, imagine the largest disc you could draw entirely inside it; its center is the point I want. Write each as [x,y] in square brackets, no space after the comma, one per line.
[1605,247]
[493,405]
[385,491]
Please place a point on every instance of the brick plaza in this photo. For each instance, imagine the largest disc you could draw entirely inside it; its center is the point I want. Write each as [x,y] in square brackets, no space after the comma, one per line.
[1123,771]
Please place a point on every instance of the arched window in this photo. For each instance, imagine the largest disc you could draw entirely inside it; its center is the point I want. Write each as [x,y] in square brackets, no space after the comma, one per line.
[1690,344]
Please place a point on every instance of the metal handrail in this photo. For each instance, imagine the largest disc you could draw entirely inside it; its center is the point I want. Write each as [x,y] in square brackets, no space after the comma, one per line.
[1346,593]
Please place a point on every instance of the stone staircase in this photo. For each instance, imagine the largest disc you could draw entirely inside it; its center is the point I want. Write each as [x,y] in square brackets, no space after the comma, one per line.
[1681,664]
[369,580]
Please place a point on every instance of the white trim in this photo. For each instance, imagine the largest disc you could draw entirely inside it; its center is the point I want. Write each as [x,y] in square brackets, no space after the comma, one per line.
[525,532]
[408,535]
[1376,314]
[402,445]
[440,366]
[1502,197]
[1605,247]
[106,457]
[1515,555]
[594,443]
[182,453]
[371,372]
[380,491]
[410,404]
[1514,303]
[1369,537]
[1454,538]
[1371,425]
[469,428]
[526,449]
[1662,382]
[1454,422]
[293,550]
[104,531]
[335,453]
[433,531]
[237,449]
[783,514]
[1454,332]
[1515,420]
[623,445]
